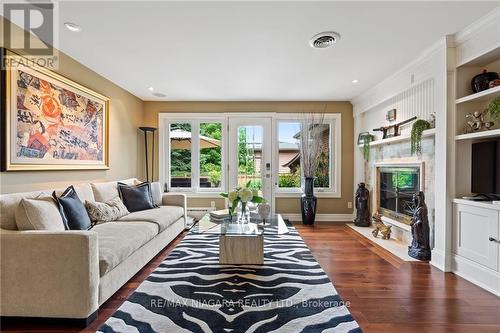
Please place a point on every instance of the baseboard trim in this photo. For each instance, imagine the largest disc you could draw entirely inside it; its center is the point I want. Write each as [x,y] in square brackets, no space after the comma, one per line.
[321,217]
[437,259]
[72,322]
[479,275]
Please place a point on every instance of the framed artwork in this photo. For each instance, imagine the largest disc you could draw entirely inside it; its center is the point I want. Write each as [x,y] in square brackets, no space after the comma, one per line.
[50,122]
[391,115]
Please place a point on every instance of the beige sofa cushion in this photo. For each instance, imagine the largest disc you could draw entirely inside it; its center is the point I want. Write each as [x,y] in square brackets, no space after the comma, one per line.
[39,214]
[118,240]
[104,192]
[9,202]
[8,206]
[162,216]
[84,192]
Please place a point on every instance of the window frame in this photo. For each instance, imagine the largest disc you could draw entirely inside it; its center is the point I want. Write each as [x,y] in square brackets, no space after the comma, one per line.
[334,120]
[165,120]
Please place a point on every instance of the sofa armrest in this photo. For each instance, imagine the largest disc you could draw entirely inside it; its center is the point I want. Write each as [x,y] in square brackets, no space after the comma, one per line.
[49,274]
[175,199]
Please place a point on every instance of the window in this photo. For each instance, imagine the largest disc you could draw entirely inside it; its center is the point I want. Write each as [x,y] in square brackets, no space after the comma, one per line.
[194,151]
[210,155]
[289,177]
[180,155]
[289,174]
[250,157]
[193,154]
[322,178]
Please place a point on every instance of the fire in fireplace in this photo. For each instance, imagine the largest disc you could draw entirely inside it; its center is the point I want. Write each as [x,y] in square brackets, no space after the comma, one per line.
[396,188]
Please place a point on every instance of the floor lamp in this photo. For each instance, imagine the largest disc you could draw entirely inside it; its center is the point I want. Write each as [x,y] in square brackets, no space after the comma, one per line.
[146,130]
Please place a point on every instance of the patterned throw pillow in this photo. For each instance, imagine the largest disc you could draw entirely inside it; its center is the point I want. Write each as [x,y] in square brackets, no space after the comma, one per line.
[100,212]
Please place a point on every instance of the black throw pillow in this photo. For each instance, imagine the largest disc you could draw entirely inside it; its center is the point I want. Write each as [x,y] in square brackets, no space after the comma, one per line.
[136,197]
[72,210]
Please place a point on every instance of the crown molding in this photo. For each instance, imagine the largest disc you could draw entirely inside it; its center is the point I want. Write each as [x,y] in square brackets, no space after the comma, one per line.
[489,21]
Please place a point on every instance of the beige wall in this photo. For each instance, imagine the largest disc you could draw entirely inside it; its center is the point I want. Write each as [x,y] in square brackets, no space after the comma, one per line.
[125,149]
[283,205]
[127,113]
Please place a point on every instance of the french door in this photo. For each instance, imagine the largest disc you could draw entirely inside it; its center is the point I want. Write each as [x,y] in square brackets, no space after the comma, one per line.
[250,154]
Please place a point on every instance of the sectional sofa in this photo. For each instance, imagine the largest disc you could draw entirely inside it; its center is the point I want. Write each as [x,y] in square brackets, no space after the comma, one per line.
[69,274]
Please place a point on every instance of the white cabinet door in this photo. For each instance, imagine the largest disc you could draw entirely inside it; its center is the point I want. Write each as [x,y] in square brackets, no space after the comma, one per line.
[473,228]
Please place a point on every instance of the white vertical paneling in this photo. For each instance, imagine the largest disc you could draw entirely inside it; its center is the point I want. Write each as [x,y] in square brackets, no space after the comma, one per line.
[417,100]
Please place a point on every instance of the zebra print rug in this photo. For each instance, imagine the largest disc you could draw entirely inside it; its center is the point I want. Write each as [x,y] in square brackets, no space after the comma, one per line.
[191,292]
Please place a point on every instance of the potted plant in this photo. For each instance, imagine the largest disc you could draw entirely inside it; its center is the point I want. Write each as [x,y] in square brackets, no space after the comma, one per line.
[312,128]
[493,109]
[419,126]
[241,196]
[364,139]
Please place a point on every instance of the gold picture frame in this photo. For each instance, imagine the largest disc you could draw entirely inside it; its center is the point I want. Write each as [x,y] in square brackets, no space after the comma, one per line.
[50,122]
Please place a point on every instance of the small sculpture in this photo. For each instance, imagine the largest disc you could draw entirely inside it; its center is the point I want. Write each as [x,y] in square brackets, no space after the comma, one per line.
[385,230]
[494,83]
[362,206]
[476,122]
[420,248]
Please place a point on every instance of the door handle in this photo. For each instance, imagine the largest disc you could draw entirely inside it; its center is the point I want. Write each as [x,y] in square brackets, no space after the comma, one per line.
[491,239]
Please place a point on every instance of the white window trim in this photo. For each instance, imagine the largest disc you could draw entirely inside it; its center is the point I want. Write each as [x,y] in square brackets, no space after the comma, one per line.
[334,191]
[164,120]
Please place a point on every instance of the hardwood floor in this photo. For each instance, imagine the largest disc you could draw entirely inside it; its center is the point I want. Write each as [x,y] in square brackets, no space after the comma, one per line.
[385,293]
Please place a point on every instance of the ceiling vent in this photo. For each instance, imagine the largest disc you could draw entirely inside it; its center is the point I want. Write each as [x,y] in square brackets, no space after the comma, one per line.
[324,40]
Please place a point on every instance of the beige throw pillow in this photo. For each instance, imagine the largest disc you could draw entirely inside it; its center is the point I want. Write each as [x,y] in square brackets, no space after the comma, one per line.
[100,212]
[39,214]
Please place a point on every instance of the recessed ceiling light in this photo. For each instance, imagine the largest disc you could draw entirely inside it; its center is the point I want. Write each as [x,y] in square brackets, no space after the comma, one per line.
[157,94]
[151,89]
[72,27]
[355,81]
[324,40]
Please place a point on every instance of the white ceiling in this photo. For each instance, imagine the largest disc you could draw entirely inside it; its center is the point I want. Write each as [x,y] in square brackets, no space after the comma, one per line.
[255,51]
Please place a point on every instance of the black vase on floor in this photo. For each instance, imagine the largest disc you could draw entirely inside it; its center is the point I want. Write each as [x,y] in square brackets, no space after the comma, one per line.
[308,202]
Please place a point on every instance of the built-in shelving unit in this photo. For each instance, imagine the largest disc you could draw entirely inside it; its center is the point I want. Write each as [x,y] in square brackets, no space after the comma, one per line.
[400,138]
[485,95]
[467,102]
[474,224]
[481,204]
[479,135]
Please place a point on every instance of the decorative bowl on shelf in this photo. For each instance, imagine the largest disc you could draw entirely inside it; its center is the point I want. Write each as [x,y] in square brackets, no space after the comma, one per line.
[482,81]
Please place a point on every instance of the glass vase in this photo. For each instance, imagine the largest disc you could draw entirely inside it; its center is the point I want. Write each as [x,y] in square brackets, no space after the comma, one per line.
[243,213]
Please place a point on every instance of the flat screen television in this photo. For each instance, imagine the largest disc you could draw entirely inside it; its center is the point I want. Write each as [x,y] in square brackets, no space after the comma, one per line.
[486,168]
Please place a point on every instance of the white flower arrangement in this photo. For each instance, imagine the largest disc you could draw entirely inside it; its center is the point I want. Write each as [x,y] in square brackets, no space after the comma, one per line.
[243,195]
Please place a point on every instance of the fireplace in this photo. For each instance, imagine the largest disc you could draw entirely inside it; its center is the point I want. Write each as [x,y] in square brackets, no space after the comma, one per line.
[395,189]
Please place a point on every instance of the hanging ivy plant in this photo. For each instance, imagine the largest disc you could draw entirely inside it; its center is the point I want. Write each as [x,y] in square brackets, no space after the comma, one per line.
[493,109]
[416,135]
[366,147]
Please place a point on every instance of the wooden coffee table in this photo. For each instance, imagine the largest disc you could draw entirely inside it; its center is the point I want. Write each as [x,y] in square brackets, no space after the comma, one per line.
[241,243]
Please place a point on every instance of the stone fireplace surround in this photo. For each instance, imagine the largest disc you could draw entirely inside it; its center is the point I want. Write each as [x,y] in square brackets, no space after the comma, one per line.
[401,230]
[393,154]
